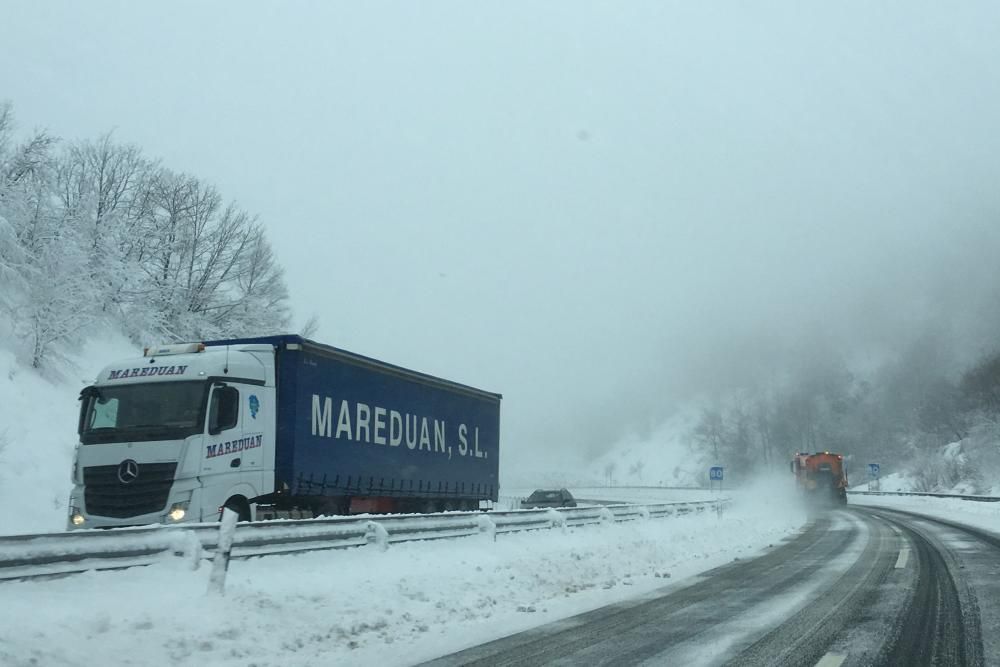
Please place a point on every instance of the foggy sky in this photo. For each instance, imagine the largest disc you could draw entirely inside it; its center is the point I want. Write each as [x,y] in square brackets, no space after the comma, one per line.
[597,209]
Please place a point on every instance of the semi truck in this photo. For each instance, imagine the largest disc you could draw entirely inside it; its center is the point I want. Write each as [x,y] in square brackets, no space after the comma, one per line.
[277,427]
[820,477]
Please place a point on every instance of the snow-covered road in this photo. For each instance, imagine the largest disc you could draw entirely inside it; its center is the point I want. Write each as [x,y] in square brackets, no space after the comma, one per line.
[412,603]
[859,586]
[419,601]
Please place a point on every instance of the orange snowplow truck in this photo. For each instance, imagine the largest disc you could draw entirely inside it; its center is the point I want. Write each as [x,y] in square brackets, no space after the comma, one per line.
[820,477]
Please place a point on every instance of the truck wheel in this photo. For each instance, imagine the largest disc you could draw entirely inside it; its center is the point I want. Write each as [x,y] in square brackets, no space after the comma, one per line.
[238,505]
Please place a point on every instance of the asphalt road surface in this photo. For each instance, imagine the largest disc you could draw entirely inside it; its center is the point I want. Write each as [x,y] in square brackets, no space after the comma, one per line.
[858,586]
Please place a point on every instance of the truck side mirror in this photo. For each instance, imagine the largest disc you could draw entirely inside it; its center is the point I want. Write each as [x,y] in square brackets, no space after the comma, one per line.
[84,406]
[223,412]
[86,394]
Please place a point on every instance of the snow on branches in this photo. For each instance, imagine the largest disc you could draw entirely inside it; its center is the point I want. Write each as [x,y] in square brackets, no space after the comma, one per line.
[94,231]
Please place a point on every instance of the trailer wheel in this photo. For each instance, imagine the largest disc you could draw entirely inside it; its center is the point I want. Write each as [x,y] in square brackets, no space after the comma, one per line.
[239,505]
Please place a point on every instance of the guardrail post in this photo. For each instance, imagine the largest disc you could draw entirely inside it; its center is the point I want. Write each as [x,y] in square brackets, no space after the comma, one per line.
[192,549]
[377,535]
[487,527]
[220,562]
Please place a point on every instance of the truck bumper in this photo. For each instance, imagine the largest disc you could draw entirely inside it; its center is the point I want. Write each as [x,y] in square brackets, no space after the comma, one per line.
[182,506]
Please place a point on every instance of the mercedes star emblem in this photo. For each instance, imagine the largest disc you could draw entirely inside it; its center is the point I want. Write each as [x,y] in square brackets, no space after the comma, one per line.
[128,471]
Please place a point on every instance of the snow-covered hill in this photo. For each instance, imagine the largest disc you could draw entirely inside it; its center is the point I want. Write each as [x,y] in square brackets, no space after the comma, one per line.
[38,418]
[664,457]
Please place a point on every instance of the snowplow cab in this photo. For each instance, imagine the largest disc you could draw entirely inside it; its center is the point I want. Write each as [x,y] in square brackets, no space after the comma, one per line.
[820,477]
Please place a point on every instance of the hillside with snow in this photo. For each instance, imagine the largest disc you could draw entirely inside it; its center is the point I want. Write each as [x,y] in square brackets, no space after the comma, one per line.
[664,456]
[38,417]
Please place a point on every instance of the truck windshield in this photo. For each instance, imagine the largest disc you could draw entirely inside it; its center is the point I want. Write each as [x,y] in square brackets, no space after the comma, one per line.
[142,412]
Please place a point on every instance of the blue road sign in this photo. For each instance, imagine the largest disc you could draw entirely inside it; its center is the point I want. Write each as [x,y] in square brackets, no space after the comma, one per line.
[715,474]
[873,469]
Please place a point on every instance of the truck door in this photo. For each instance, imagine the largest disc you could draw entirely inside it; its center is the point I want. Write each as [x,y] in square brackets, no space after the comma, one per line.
[223,428]
[256,425]
[240,421]
[233,437]
[234,461]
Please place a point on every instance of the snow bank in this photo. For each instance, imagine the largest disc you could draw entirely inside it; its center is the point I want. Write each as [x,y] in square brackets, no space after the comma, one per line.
[510,497]
[362,606]
[38,418]
[969,512]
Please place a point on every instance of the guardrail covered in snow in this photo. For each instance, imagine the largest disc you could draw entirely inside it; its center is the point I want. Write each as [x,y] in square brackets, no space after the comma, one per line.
[981,499]
[51,554]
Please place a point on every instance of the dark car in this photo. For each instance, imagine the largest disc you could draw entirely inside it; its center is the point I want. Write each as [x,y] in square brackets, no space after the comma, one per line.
[549,498]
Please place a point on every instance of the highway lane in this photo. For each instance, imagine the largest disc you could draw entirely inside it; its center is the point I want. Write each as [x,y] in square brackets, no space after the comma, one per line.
[859,586]
[970,558]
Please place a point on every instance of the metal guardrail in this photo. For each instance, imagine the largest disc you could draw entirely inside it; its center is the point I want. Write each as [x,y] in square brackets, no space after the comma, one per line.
[54,554]
[980,499]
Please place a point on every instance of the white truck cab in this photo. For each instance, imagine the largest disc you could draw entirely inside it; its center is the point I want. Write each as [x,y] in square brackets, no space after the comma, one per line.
[175,435]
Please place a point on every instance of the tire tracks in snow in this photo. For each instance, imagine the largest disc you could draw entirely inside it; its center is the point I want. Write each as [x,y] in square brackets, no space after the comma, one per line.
[842,591]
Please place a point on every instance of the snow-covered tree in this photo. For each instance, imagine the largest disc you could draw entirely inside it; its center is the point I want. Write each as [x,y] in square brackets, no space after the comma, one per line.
[12,267]
[95,231]
[99,185]
[54,296]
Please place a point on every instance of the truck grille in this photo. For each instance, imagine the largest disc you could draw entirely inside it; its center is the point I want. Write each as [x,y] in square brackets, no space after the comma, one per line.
[105,495]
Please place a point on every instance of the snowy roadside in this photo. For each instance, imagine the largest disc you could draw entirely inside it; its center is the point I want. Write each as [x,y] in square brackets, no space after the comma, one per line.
[38,418]
[413,602]
[971,513]
[616,494]
[646,495]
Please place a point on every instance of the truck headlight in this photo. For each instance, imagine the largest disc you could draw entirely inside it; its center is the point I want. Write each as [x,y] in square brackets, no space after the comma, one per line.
[75,515]
[178,511]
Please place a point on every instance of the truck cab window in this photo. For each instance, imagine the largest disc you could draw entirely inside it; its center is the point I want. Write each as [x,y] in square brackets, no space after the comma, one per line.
[224,411]
[105,413]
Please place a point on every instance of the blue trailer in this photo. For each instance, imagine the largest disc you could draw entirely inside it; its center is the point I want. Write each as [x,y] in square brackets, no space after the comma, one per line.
[278,426]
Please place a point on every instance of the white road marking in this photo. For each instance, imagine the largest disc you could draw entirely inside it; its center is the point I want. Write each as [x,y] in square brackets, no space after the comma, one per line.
[831,660]
[904,554]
